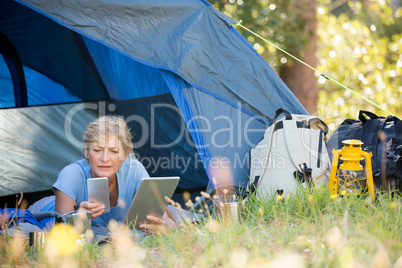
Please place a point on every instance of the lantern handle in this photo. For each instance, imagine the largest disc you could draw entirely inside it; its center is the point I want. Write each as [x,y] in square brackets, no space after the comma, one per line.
[333,180]
[369,174]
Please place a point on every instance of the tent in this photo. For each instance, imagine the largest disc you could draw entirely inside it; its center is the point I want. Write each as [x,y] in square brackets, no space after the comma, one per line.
[194,93]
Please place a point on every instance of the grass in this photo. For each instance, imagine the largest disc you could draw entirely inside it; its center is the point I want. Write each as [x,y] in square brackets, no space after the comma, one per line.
[305,229]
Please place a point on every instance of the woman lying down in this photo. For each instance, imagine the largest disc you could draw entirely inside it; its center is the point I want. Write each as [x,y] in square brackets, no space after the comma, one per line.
[107,146]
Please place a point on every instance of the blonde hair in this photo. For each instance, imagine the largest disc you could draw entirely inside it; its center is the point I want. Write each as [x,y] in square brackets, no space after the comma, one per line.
[108,126]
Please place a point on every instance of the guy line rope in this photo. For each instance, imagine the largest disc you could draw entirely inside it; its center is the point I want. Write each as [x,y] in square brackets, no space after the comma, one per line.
[311,67]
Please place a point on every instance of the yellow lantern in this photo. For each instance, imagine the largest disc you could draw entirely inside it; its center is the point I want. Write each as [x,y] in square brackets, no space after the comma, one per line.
[350,177]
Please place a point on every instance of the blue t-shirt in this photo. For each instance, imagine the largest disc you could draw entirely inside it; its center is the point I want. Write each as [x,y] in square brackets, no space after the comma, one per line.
[72,181]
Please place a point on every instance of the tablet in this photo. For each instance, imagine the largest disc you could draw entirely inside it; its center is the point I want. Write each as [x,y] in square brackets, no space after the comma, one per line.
[150,199]
[98,190]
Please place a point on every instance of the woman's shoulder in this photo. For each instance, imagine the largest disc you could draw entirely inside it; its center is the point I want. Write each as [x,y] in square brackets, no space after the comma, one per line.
[77,167]
[132,162]
[130,174]
[132,165]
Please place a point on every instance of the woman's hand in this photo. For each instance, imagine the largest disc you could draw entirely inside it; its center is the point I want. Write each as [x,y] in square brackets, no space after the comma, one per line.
[96,208]
[157,225]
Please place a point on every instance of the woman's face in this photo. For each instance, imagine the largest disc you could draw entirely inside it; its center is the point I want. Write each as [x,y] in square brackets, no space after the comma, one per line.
[105,157]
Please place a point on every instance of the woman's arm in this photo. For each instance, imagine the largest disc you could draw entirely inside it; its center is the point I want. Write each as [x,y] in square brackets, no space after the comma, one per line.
[157,225]
[64,204]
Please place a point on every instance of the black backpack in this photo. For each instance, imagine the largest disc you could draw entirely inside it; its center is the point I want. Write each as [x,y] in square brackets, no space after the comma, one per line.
[380,135]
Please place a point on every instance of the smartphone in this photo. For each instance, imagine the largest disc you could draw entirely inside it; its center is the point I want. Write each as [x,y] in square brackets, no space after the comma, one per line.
[98,190]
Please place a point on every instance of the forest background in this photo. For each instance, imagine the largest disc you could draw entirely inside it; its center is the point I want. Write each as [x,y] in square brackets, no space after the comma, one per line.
[357,43]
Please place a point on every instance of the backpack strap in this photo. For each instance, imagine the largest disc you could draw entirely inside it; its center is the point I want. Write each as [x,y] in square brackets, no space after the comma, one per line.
[317,123]
[305,175]
[320,141]
[275,126]
[299,151]
[257,179]
[398,127]
[394,154]
[370,138]
[355,131]
[294,143]
[282,111]
[367,129]
[369,114]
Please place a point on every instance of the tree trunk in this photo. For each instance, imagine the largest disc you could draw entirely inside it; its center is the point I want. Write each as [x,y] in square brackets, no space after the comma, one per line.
[298,77]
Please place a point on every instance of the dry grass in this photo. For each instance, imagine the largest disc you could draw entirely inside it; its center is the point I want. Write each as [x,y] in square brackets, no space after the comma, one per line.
[307,229]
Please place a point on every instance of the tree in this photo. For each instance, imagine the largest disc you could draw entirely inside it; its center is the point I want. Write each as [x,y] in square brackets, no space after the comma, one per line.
[291,26]
[300,79]
[362,49]
[359,44]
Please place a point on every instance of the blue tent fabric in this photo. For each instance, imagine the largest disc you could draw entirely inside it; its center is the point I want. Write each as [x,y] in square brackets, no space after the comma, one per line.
[117,69]
[35,81]
[189,85]
[13,216]
[6,86]
[14,64]
[162,152]
[38,42]
[231,140]
[181,28]
[188,115]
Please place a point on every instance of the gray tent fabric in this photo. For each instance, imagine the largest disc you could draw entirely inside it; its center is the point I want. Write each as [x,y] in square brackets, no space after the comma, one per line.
[218,95]
[33,143]
[180,28]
